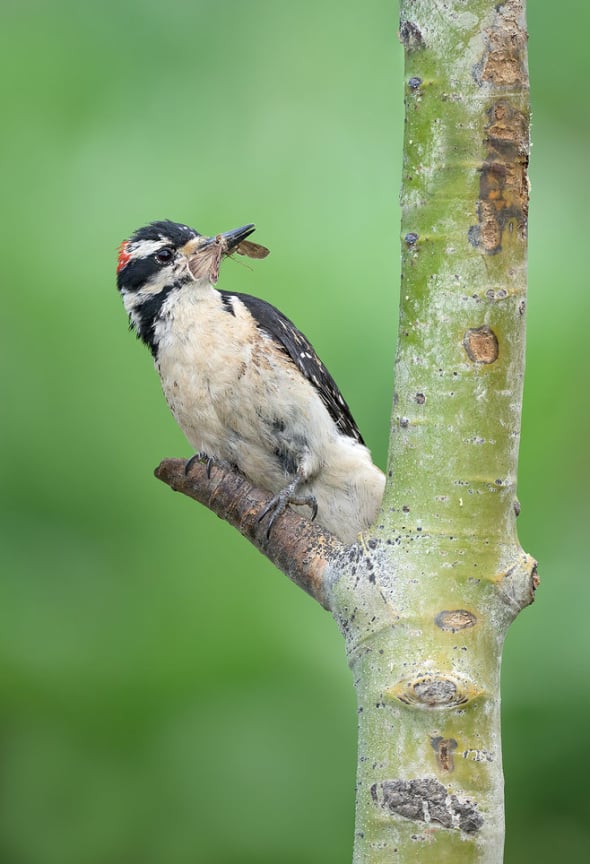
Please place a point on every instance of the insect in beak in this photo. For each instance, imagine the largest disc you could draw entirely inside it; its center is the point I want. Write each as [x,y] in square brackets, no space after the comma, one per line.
[206,260]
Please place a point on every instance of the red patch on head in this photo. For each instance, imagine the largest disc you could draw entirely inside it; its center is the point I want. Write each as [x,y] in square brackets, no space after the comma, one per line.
[124,255]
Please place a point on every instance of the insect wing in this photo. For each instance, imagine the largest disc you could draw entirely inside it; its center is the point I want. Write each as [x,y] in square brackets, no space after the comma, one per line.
[252,250]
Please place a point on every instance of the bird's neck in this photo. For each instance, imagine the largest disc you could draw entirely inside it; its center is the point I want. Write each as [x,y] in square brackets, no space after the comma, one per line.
[146,310]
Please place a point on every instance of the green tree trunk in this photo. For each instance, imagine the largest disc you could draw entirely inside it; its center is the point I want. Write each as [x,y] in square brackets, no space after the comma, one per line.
[445,575]
[424,600]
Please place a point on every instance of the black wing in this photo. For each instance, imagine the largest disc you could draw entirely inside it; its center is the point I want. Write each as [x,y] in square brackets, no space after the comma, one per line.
[301,352]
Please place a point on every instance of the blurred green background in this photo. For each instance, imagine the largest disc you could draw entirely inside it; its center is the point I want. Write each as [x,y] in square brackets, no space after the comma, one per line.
[166,696]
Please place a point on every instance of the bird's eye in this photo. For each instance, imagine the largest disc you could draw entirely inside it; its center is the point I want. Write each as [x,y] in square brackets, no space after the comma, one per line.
[165,255]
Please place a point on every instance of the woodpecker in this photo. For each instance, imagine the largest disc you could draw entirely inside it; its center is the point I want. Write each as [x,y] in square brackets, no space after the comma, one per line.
[243,383]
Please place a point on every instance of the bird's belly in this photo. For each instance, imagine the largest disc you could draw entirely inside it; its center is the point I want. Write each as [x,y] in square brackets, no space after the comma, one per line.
[227,407]
[187,396]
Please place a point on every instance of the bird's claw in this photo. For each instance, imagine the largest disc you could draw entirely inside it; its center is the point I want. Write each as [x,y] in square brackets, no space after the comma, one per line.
[209,462]
[277,506]
[199,457]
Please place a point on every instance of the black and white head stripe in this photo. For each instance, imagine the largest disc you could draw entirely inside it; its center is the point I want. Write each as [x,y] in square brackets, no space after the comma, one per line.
[148,270]
[171,232]
[299,349]
[137,256]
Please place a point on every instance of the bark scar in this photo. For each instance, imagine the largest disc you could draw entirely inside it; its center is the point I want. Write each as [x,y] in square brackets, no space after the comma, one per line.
[503,187]
[444,749]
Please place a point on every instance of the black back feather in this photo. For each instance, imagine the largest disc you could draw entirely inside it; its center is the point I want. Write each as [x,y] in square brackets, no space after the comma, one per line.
[299,349]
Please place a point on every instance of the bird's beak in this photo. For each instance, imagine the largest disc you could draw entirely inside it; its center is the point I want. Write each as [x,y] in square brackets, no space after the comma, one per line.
[205,253]
[235,237]
[229,239]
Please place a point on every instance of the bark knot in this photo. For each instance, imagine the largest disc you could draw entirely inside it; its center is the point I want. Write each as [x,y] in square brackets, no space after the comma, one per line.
[434,691]
[455,619]
[481,345]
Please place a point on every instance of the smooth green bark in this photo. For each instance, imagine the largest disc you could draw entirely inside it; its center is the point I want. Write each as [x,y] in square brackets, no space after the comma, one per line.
[425,603]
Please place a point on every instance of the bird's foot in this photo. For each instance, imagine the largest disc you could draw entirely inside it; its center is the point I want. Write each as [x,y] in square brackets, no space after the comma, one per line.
[204,458]
[277,505]
[207,460]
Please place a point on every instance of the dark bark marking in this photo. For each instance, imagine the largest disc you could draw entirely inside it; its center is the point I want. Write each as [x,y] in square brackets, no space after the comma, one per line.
[503,199]
[504,188]
[504,61]
[444,748]
[410,36]
[427,800]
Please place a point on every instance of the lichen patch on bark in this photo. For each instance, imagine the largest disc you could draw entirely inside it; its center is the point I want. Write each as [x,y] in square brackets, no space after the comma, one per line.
[427,800]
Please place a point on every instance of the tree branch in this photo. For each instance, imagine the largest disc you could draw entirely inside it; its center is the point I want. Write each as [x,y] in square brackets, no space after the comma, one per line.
[298,547]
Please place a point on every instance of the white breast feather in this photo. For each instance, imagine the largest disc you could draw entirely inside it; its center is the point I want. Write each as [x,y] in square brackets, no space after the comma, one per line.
[226,382]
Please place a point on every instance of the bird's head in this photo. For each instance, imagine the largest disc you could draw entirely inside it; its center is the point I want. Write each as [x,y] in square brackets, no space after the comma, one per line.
[167,253]
[166,256]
